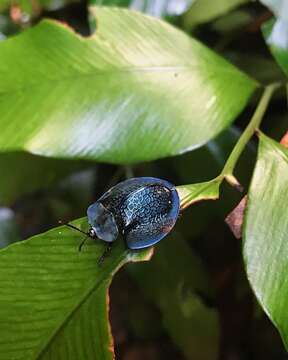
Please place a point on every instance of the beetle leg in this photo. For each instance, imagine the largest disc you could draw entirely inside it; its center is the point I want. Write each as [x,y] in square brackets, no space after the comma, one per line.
[105,253]
[82,243]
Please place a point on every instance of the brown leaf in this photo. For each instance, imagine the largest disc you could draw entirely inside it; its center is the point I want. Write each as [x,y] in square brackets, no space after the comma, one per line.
[235,219]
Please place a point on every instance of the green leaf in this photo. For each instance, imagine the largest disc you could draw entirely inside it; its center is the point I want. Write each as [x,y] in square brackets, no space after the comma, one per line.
[23,173]
[54,298]
[173,280]
[192,193]
[276,36]
[202,11]
[137,90]
[265,232]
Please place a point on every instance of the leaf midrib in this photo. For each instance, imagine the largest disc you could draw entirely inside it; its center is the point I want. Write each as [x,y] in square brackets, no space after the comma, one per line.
[78,77]
[186,199]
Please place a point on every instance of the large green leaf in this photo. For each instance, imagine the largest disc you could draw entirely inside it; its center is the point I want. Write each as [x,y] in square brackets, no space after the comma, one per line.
[265,232]
[137,90]
[24,173]
[276,36]
[173,280]
[54,298]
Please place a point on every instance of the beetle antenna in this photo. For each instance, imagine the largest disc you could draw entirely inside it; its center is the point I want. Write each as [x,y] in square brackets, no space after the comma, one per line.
[73,227]
[81,231]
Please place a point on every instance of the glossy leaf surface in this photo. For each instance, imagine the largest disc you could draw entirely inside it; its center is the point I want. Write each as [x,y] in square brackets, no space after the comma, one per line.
[54,298]
[72,95]
[265,232]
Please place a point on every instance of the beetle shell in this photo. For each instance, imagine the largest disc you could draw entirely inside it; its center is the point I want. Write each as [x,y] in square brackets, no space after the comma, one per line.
[143,210]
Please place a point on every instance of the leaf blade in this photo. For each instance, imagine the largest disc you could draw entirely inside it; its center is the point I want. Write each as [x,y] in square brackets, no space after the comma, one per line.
[189,194]
[41,307]
[122,90]
[265,229]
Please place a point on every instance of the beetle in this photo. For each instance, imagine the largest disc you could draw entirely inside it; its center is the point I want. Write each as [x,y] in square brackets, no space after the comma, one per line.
[143,210]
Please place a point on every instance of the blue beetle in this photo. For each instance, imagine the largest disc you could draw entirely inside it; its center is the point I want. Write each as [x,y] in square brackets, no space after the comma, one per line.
[143,210]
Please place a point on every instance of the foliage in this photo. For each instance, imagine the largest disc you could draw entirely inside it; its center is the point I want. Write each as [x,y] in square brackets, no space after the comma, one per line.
[63,289]
[266,228]
[111,72]
[141,91]
[53,300]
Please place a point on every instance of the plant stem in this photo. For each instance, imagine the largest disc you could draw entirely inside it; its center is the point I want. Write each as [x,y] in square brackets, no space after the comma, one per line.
[253,125]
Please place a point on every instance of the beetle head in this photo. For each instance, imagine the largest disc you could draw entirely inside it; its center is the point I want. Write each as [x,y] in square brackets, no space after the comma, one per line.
[102,221]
